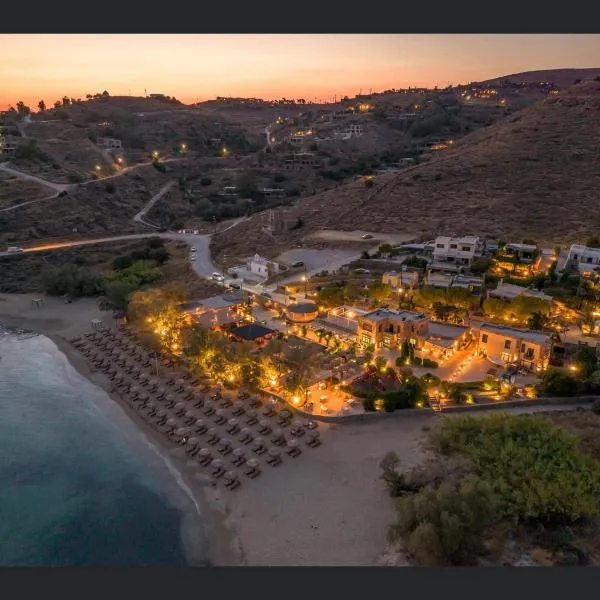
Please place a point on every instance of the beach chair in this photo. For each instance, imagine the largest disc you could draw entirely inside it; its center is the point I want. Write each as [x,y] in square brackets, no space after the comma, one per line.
[216,468]
[221,416]
[232,426]
[292,448]
[239,457]
[274,457]
[213,436]
[251,418]
[201,427]
[253,470]
[232,480]
[225,401]
[259,446]
[285,418]
[209,408]
[246,436]
[224,446]
[313,439]
[204,456]
[238,408]
[269,411]
[199,401]
[278,438]
[255,402]
[264,427]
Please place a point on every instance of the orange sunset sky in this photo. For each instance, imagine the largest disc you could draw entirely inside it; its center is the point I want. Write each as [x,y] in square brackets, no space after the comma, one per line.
[202,66]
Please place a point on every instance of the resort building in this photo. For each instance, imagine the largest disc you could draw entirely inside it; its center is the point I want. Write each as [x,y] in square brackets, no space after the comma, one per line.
[302,312]
[582,259]
[388,329]
[455,252]
[522,252]
[509,291]
[401,279]
[511,346]
[440,340]
[215,311]
[259,265]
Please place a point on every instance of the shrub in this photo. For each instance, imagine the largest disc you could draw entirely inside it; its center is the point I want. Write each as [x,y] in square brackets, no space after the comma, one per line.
[122,262]
[558,383]
[538,472]
[395,482]
[206,181]
[596,406]
[368,404]
[417,361]
[445,526]
[430,364]
[160,167]
[110,187]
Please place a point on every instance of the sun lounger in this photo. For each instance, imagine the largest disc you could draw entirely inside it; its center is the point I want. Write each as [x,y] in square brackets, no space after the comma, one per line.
[233,426]
[216,468]
[313,439]
[221,416]
[224,446]
[251,418]
[246,436]
[232,480]
[259,446]
[274,457]
[264,427]
[253,470]
[204,456]
[239,457]
[292,448]
[278,438]
[213,436]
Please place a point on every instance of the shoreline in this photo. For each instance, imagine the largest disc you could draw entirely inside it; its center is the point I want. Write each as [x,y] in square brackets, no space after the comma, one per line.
[222,546]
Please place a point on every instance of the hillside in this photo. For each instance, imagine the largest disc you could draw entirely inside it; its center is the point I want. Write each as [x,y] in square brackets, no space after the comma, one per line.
[535,174]
[560,78]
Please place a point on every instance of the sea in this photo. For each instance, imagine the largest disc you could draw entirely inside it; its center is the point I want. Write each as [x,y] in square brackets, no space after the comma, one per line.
[80,484]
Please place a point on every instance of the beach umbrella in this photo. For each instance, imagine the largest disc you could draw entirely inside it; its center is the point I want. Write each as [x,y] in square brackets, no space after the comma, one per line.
[253,463]
[209,404]
[284,414]
[245,432]
[251,413]
[232,422]
[180,382]
[161,413]
[213,432]
[200,423]
[193,441]
[259,441]
[180,432]
[292,443]
[274,452]
[297,423]
[313,434]
[189,389]
[179,405]
[134,389]
[238,452]
[190,415]
[161,390]
[238,404]
[263,423]
[170,398]
[171,422]
[204,452]
[224,442]
[217,463]
[227,396]
[278,433]
[230,475]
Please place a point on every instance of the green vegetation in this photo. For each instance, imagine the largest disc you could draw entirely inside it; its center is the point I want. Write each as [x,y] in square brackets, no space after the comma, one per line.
[524,309]
[496,473]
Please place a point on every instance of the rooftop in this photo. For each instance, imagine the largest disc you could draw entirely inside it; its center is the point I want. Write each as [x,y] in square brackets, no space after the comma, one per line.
[251,331]
[445,331]
[212,303]
[525,334]
[522,247]
[302,308]
[510,290]
[398,315]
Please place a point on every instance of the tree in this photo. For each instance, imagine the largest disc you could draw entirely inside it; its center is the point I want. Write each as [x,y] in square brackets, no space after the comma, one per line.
[116,294]
[559,383]
[122,262]
[379,291]
[587,361]
[66,101]
[42,106]
[22,108]
[385,249]
[57,104]
[536,321]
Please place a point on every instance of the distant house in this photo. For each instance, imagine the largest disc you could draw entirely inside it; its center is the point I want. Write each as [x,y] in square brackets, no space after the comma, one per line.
[110,144]
[8,144]
[252,332]
[300,160]
[511,346]
[354,129]
[401,279]
[522,252]
[215,311]
[259,265]
[272,192]
[582,259]
[509,291]
[446,280]
[455,252]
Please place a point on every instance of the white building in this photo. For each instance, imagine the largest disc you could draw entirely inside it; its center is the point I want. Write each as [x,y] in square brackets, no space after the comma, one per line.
[460,251]
[508,291]
[354,130]
[259,265]
[582,258]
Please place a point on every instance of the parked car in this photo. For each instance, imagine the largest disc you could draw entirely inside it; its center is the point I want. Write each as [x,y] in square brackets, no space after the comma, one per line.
[367,236]
[217,277]
[235,286]
[266,295]
[193,248]
[298,264]
[362,271]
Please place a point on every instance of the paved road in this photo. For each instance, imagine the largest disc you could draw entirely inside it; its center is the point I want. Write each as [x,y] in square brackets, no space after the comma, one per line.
[57,187]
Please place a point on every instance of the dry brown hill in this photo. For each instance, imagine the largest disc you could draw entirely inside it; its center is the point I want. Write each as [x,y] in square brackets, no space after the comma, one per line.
[559,77]
[535,174]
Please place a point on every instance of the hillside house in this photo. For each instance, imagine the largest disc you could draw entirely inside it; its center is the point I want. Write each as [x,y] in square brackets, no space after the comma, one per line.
[455,252]
[447,280]
[269,193]
[300,160]
[110,144]
[401,279]
[526,253]
[355,130]
[229,191]
[439,341]
[259,265]
[582,259]
[511,346]
[509,291]
[385,328]
[215,311]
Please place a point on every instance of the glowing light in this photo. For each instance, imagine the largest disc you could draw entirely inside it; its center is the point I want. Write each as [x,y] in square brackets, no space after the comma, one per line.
[296,400]
[155,154]
[98,167]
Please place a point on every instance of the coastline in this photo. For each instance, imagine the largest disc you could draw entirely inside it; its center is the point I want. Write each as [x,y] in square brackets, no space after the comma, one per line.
[222,546]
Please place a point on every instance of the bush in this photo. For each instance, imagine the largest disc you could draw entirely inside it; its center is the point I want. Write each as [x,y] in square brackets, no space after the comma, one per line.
[110,187]
[596,406]
[160,167]
[122,262]
[538,472]
[206,181]
[558,383]
[417,361]
[369,403]
[446,526]
[430,364]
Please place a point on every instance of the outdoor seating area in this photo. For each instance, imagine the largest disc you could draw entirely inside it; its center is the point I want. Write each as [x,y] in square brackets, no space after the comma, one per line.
[229,435]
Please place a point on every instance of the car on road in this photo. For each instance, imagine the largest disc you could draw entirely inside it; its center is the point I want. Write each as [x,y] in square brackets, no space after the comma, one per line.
[362,271]
[298,264]
[217,277]
[266,295]
[235,286]
[193,249]
[14,249]
[367,236]
[192,257]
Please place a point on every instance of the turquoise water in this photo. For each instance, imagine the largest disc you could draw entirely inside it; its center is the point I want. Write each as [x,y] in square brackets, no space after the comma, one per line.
[79,483]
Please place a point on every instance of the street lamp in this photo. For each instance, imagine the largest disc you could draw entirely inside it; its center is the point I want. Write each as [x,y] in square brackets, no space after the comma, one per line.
[305,280]
[155,154]
[183,147]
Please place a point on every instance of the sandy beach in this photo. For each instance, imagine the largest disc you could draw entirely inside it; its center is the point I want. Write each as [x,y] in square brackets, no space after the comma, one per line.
[327,507]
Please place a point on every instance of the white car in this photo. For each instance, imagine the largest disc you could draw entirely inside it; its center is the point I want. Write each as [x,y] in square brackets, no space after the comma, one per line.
[192,257]
[217,277]
[193,249]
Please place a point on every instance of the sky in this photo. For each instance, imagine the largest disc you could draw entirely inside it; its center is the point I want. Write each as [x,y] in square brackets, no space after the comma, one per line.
[311,66]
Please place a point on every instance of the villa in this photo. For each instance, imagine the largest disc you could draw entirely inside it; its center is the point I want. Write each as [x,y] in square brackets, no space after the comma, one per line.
[386,328]
[215,311]
[402,279]
[455,252]
[441,340]
[259,265]
[509,291]
[582,259]
[511,346]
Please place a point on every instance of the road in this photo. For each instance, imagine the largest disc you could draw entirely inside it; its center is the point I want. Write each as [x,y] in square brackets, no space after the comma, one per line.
[139,217]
